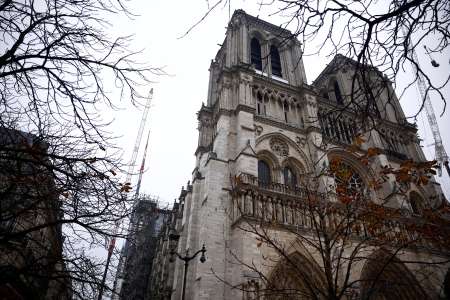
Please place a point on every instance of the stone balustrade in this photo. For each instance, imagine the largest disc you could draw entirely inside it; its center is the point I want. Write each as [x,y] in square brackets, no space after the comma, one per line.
[247,179]
[279,204]
[341,127]
[337,126]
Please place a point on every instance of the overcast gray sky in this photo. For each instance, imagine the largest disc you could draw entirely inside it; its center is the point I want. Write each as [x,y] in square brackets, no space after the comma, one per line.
[178,97]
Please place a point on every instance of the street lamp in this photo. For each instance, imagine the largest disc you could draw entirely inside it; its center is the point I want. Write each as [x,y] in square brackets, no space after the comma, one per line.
[186,260]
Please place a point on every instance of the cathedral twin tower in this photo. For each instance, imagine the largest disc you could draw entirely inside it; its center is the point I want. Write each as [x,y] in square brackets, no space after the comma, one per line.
[262,131]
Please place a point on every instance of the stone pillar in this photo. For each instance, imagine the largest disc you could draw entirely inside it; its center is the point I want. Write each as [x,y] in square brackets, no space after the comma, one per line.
[317,151]
[213,231]
[297,63]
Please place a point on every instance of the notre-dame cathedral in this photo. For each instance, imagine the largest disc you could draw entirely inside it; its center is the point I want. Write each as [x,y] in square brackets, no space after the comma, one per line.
[263,130]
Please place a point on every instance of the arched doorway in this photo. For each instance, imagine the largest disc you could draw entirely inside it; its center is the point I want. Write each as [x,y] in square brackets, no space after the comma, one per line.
[385,277]
[295,278]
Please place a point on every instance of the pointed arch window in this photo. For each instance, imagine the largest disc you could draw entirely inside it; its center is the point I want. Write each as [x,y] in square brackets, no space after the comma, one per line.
[349,184]
[260,106]
[286,112]
[355,183]
[255,54]
[264,177]
[338,94]
[275,61]
[289,176]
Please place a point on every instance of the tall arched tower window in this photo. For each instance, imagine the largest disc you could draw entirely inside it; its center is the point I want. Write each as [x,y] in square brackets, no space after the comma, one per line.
[338,94]
[275,61]
[289,176]
[255,54]
[263,173]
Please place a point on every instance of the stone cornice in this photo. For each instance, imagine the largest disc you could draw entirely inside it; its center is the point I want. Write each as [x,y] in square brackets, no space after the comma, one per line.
[277,30]
[279,124]
[311,128]
[259,79]
[216,159]
[242,154]
[246,108]
[268,81]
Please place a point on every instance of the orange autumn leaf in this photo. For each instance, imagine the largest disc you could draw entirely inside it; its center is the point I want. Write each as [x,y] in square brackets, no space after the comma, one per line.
[340,190]
[364,161]
[373,152]
[403,176]
[358,140]
[335,163]
[407,164]
[422,180]
[345,199]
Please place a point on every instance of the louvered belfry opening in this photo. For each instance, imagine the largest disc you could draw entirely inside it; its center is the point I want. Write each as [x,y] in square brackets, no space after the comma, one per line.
[256,54]
[275,61]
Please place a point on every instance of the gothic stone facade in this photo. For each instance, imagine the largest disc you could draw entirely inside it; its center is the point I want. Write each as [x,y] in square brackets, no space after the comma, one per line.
[261,116]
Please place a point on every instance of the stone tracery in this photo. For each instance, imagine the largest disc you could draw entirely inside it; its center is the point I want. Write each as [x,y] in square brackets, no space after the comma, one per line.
[279,147]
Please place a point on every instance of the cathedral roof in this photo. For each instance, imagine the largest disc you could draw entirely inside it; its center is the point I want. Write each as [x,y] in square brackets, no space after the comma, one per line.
[340,61]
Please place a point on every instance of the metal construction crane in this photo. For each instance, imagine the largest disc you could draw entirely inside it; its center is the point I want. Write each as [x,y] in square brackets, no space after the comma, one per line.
[441,155]
[137,143]
[141,170]
[131,165]
[121,265]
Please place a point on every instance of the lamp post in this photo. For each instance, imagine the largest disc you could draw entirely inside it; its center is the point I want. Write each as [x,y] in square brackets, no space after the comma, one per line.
[186,260]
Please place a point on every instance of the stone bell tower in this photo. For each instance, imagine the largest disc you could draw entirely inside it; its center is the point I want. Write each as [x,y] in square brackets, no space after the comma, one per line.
[263,129]
[258,106]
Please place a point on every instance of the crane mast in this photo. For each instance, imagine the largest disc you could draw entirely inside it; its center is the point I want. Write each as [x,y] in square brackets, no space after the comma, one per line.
[440,154]
[137,143]
[131,165]
[141,169]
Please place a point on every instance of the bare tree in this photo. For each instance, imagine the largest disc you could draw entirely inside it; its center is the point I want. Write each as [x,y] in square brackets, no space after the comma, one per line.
[59,193]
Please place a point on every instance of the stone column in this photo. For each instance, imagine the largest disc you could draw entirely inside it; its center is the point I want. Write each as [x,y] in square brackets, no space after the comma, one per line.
[317,150]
